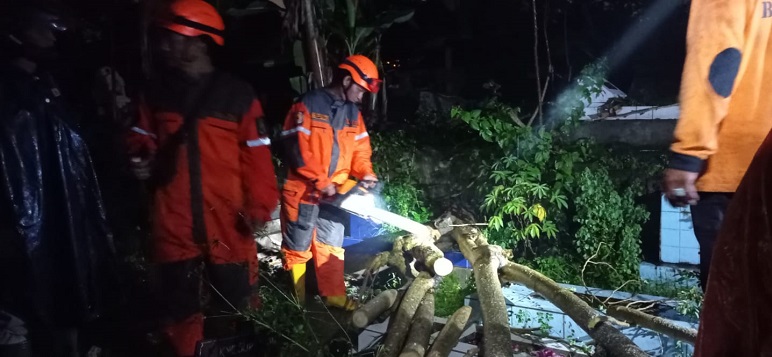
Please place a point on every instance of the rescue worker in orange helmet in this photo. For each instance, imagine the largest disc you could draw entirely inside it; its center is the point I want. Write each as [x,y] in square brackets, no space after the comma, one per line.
[201,143]
[327,143]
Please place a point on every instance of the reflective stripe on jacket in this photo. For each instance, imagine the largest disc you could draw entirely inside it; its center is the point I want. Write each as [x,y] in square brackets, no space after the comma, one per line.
[326,142]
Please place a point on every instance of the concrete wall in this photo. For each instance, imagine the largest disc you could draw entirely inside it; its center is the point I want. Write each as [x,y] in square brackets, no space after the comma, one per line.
[646,133]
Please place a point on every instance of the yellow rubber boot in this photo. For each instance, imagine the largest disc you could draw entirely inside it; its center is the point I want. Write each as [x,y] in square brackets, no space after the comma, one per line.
[298,273]
[341,302]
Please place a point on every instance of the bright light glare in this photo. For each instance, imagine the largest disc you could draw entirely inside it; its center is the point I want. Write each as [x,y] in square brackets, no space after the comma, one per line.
[364,206]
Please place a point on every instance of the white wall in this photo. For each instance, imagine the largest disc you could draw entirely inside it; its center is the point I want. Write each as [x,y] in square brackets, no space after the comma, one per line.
[677,241]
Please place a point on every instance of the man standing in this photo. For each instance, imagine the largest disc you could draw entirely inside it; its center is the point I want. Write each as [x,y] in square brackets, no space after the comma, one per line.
[326,143]
[723,116]
[55,248]
[727,82]
[201,143]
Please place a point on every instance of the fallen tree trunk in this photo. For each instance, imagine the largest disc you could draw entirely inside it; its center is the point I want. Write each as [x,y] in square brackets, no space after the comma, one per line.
[398,328]
[653,323]
[393,309]
[491,263]
[374,308]
[486,260]
[475,248]
[448,337]
[590,320]
[421,249]
[421,330]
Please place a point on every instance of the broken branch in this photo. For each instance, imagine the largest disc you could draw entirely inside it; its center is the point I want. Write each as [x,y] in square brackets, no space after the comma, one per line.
[448,337]
[423,323]
[398,328]
[486,260]
[373,308]
[604,332]
[654,323]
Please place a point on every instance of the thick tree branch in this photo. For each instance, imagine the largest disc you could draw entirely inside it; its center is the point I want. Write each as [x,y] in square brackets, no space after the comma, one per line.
[486,260]
[591,321]
[653,323]
[374,308]
[400,324]
[449,335]
[421,330]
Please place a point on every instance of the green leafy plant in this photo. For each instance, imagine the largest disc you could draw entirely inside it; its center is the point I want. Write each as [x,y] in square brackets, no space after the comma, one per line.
[558,266]
[357,25]
[690,302]
[449,295]
[545,186]
[286,328]
[394,156]
[544,319]
[284,325]
[529,183]
[608,236]
[518,195]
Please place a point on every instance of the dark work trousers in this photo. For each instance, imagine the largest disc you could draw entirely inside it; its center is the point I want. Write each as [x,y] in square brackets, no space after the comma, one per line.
[707,217]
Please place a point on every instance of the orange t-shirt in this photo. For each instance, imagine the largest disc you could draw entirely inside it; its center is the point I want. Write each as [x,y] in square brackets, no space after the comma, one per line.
[726,109]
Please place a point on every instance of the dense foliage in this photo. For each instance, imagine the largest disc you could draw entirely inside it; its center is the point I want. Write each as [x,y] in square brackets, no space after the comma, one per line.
[394,159]
[554,200]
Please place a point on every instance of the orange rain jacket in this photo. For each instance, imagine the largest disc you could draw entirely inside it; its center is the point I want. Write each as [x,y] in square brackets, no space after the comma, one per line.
[224,174]
[725,110]
[325,149]
[326,142]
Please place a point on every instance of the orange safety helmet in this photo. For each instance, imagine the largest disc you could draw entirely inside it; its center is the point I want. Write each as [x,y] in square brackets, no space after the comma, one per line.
[363,71]
[195,18]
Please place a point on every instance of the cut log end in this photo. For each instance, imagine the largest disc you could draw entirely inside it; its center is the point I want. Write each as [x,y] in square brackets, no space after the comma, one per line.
[373,308]
[442,267]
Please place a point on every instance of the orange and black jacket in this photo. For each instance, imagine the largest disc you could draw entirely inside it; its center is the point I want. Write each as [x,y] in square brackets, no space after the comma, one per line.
[223,173]
[325,142]
[727,80]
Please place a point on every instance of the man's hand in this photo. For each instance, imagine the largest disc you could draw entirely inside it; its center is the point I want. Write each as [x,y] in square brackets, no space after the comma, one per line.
[249,226]
[329,190]
[679,187]
[369,181]
[141,168]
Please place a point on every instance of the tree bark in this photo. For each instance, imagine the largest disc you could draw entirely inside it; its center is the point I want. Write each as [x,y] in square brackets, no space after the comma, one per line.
[486,260]
[491,264]
[653,323]
[421,249]
[404,315]
[591,321]
[423,323]
[374,308]
[395,308]
[433,258]
[449,335]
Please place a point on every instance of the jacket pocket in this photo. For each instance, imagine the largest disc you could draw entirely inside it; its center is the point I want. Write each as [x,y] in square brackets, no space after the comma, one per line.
[307,215]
